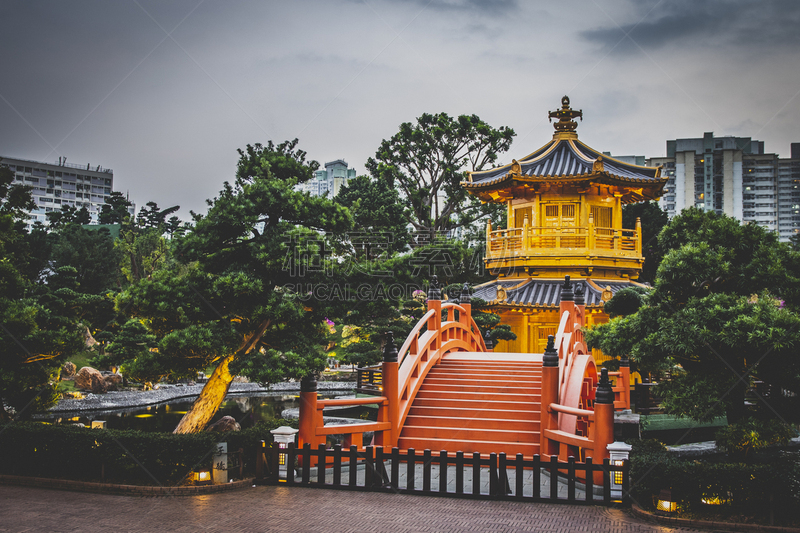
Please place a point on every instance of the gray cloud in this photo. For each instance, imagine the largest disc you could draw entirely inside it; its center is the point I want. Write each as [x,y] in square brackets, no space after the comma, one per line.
[489,7]
[737,23]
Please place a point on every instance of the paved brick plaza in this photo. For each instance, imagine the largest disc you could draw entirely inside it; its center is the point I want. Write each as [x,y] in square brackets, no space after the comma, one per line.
[296,510]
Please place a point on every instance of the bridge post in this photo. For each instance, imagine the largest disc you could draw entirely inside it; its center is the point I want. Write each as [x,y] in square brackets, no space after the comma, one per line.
[308,412]
[549,418]
[435,303]
[603,417]
[391,389]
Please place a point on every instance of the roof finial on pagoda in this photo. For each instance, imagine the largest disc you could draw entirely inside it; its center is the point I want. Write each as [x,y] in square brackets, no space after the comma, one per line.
[565,115]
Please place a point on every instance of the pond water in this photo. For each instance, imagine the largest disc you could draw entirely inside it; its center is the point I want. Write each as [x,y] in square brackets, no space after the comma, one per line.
[248,410]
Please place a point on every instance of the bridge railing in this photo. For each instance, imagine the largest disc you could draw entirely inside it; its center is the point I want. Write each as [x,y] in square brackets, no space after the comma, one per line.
[402,374]
[422,350]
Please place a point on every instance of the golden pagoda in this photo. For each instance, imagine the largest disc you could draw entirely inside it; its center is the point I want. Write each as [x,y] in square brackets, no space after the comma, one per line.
[564,217]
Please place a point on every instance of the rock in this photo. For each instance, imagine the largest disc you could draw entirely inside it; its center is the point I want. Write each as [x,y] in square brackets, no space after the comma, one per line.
[226,423]
[113,381]
[88,339]
[68,370]
[90,379]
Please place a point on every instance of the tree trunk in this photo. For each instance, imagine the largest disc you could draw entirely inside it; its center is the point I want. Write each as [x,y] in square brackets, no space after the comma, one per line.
[735,409]
[211,397]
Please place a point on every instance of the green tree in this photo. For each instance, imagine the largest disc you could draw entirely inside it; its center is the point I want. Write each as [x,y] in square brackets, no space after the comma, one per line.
[360,335]
[115,209]
[226,302]
[142,252]
[151,216]
[38,326]
[723,312]
[68,215]
[427,162]
[91,252]
[380,225]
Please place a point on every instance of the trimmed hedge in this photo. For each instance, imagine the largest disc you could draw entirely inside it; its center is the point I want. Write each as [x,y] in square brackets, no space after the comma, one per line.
[120,456]
[748,488]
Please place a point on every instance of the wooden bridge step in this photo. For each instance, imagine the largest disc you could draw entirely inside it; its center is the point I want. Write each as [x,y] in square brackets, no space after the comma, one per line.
[460,403]
[489,369]
[490,365]
[482,376]
[471,423]
[451,359]
[476,412]
[478,395]
[470,446]
[444,384]
[464,433]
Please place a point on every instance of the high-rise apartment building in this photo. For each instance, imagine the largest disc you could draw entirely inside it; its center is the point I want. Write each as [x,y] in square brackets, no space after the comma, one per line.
[733,176]
[331,179]
[57,184]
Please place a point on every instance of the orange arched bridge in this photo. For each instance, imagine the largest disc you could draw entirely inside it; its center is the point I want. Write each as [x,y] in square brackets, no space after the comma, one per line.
[443,390]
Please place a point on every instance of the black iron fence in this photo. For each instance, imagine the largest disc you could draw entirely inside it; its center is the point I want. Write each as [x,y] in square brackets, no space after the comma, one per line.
[447,474]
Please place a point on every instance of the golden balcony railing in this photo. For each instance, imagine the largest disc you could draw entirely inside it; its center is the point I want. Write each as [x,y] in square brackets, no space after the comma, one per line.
[574,242]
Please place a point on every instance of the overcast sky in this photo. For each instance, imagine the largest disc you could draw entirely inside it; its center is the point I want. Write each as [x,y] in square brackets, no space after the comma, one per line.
[165,92]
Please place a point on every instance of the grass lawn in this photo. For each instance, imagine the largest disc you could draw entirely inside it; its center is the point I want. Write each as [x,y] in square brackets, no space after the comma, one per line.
[81,360]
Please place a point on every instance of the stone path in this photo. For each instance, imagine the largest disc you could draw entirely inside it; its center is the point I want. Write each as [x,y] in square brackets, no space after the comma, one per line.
[299,510]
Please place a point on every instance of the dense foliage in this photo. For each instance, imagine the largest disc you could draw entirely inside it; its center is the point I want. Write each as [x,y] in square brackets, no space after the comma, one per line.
[40,323]
[121,456]
[229,300]
[722,314]
[754,489]
[428,160]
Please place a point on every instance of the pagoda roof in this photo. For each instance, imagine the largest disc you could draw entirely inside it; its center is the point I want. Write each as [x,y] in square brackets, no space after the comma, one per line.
[545,293]
[566,159]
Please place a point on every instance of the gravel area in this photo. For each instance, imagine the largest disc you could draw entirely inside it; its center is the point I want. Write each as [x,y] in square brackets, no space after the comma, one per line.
[165,393]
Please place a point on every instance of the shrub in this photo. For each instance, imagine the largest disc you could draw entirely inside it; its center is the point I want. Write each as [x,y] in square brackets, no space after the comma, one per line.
[744,437]
[746,487]
[120,456]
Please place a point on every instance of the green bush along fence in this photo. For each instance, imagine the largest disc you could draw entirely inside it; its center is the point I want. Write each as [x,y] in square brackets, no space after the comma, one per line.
[121,456]
[756,488]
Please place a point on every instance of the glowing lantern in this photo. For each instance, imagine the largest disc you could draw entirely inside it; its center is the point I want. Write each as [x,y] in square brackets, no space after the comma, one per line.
[282,437]
[665,502]
[202,477]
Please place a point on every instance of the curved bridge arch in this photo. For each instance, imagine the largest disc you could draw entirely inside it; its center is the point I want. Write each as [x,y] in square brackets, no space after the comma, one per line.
[422,350]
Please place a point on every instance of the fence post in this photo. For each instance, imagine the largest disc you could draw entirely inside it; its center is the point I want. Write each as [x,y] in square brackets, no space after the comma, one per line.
[391,390]
[262,448]
[548,418]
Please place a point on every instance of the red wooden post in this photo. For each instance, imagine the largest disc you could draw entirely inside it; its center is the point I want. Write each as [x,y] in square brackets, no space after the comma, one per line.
[308,413]
[603,420]
[548,418]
